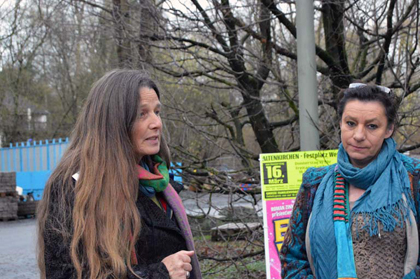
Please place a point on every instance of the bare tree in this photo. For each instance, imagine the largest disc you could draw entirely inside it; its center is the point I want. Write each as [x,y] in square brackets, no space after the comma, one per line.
[228,73]
[20,41]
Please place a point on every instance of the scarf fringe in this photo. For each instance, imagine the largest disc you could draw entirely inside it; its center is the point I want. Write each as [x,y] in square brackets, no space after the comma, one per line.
[389,216]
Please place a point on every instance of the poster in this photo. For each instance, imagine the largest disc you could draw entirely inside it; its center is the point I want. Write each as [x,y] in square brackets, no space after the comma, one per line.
[281,177]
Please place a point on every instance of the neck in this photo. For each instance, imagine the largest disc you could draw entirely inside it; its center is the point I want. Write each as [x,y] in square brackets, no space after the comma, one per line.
[359,164]
[355,193]
[362,163]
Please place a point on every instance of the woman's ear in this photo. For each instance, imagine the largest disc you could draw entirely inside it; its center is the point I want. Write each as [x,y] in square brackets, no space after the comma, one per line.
[389,131]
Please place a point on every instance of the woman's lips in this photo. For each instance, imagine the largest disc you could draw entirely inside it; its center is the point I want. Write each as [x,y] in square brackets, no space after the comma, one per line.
[358,147]
[153,139]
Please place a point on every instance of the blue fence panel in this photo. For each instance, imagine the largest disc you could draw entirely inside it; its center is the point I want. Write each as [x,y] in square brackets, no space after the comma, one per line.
[176,171]
[33,162]
[32,156]
[32,181]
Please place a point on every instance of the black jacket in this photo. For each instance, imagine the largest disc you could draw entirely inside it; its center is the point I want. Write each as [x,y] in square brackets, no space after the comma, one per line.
[160,237]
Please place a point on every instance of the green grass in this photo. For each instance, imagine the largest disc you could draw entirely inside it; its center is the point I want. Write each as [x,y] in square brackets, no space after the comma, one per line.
[247,268]
[215,258]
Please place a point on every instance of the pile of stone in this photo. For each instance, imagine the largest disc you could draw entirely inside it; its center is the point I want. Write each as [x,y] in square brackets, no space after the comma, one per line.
[235,231]
[8,196]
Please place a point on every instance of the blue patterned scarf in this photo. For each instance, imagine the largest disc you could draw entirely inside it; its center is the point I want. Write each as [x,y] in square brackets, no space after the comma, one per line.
[385,180]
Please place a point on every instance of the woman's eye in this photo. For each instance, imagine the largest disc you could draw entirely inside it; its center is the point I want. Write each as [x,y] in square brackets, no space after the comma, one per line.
[372,126]
[157,112]
[350,123]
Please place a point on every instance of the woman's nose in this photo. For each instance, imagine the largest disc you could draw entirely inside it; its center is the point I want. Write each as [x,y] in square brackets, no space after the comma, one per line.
[156,122]
[359,133]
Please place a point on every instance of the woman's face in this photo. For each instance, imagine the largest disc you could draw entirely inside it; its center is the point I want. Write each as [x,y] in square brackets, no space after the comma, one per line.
[147,129]
[364,127]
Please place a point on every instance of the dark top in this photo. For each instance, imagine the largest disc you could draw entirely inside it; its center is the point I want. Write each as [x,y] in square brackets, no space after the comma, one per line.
[160,237]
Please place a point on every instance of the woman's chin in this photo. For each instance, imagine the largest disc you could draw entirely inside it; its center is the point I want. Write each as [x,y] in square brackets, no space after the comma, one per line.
[360,161]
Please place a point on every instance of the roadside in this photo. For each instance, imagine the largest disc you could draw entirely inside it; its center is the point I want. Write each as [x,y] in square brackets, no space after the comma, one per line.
[18,246]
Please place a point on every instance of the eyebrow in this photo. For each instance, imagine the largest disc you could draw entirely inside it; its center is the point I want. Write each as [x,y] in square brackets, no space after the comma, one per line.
[158,105]
[368,120]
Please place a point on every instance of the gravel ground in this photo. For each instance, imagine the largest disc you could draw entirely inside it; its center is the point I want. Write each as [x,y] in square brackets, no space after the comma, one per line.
[17,252]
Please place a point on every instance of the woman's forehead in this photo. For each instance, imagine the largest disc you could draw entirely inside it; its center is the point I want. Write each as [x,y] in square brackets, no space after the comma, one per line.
[356,104]
[357,108]
[148,96]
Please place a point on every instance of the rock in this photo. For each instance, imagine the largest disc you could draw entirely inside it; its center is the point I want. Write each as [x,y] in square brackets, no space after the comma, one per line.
[234,230]
[7,182]
[8,197]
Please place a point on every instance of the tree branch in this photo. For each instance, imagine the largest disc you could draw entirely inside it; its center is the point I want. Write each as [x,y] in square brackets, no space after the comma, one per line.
[94,5]
[284,122]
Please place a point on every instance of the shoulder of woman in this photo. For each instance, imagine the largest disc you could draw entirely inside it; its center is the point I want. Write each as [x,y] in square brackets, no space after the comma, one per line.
[58,187]
[313,176]
[410,163]
[61,197]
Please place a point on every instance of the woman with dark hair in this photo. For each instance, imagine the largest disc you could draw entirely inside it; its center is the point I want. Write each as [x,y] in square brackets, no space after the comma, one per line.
[108,210]
[358,218]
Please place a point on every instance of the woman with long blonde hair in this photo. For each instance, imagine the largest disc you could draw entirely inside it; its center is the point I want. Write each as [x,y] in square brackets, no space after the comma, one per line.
[108,210]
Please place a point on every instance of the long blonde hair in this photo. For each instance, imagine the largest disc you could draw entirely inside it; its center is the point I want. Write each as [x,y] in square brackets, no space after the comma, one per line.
[97,216]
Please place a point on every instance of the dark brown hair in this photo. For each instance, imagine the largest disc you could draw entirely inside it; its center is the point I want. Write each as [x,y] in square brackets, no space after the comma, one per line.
[371,93]
[103,218]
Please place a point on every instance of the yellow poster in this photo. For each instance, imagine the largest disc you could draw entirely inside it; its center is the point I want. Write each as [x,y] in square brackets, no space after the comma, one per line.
[281,173]
[281,177]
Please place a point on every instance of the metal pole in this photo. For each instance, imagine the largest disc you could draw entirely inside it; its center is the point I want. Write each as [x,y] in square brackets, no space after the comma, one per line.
[307,84]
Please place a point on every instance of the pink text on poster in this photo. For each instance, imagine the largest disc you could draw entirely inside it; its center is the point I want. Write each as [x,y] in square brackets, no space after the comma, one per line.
[278,214]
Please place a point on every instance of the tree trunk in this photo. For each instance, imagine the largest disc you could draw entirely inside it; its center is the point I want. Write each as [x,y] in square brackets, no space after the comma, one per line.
[259,122]
[333,16]
[148,27]
[121,15]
